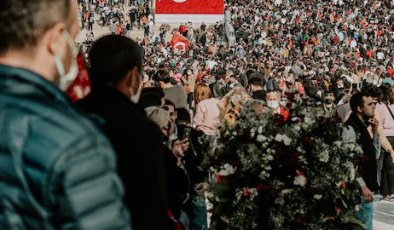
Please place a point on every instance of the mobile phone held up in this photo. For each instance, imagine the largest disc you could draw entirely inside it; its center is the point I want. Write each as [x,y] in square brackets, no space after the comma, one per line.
[186,133]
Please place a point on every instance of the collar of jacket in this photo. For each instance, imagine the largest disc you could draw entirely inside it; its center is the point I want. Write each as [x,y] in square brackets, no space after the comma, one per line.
[20,81]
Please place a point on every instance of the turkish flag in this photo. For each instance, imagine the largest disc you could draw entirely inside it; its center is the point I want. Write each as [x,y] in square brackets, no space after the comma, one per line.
[80,87]
[179,42]
[189,7]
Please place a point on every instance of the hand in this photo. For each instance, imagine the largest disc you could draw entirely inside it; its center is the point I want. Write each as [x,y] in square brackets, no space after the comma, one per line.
[367,194]
[374,123]
[179,147]
[391,151]
[200,188]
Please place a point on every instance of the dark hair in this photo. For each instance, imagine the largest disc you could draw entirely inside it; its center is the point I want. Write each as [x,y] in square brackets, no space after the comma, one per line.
[151,97]
[111,57]
[23,23]
[162,75]
[357,100]
[385,93]
[256,81]
[168,102]
[183,116]
[372,91]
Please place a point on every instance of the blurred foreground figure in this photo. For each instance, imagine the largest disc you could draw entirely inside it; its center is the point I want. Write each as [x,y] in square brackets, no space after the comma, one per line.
[57,171]
[116,79]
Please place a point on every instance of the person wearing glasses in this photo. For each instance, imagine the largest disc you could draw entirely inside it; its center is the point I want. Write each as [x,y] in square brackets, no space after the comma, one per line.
[115,74]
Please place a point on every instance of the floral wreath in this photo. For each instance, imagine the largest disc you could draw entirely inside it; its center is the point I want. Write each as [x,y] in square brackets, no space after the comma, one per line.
[272,173]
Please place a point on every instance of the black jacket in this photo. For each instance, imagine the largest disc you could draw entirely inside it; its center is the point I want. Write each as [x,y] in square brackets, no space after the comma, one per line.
[141,165]
[367,167]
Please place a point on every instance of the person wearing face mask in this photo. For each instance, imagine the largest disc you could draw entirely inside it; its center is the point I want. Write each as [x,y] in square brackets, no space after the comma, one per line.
[115,74]
[273,103]
[58,171]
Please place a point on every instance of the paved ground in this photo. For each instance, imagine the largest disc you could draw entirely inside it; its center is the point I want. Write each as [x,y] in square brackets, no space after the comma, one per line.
[384,215]
[137,35]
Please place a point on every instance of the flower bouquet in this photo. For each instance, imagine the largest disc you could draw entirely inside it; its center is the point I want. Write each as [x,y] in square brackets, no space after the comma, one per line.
[272,173]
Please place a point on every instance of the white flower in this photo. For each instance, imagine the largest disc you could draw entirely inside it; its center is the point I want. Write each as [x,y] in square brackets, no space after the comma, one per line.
[300,150]
[253,130]
[283,138]
[351,146]
[358,149]
[261,138]
[338,144]
[308,121]
[260,129]
[317,196]
[300,180]
[285,191]
[357,208]
[286,140]
[227,170]
[278,137]
[324,156]
[297,128]
[351,171]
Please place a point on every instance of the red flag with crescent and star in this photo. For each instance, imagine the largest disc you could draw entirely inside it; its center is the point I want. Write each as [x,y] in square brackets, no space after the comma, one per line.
[189,6]
[80,86]
[179,42]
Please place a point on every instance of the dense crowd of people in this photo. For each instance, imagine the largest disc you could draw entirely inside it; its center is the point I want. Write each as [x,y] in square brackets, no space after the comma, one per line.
[326,51]
[154,106]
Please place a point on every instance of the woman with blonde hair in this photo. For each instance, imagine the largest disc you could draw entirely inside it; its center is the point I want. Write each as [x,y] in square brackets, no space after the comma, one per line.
[207,114]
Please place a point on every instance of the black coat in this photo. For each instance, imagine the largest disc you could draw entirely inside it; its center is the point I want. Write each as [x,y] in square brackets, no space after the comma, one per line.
[368,166]
[141,165]
[177,183]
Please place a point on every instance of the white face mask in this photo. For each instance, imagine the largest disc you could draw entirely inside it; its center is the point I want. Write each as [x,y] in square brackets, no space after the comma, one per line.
[66,79]
[135,97]
[273,104]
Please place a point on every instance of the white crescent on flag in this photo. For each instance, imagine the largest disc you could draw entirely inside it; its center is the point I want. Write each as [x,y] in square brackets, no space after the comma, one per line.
[180,44]
[177,1]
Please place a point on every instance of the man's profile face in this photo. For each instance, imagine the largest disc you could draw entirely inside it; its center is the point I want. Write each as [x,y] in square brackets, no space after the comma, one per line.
[368,108]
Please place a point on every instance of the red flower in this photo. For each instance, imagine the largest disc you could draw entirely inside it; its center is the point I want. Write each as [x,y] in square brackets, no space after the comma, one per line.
[343,185]
[219,178]
[301,221]
[305,140]
[261,187]
[246,193]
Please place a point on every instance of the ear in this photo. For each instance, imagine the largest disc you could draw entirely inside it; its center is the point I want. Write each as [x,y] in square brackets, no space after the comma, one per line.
[134,78]
[54,38]
[359,109]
